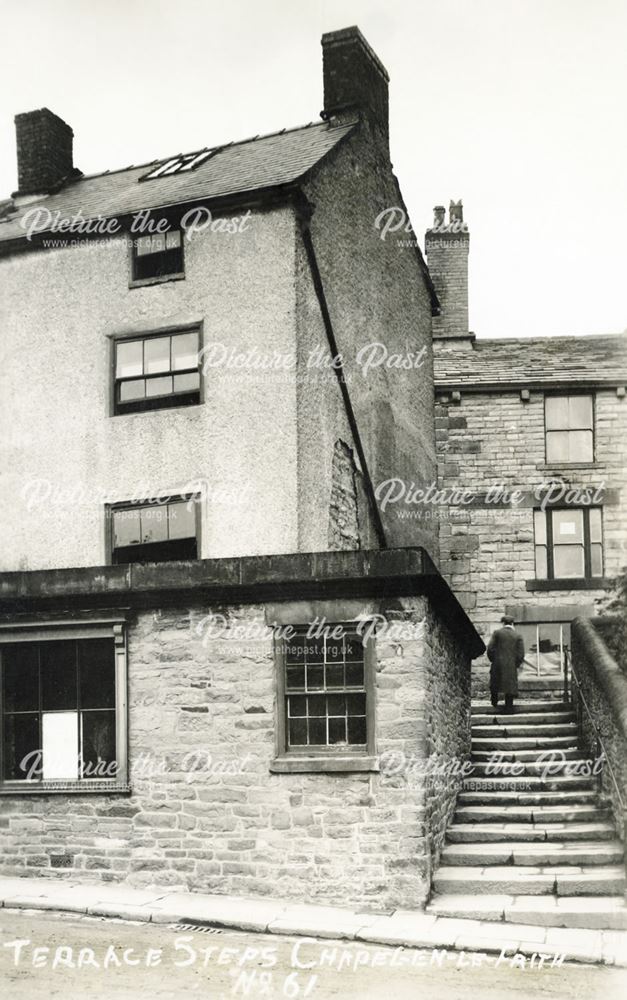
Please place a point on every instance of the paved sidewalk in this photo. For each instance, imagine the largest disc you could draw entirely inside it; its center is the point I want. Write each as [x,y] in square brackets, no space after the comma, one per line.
[405,928]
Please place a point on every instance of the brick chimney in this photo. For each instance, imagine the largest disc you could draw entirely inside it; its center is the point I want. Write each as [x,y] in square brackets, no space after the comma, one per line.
[447,246]
[354,78]
[44,151]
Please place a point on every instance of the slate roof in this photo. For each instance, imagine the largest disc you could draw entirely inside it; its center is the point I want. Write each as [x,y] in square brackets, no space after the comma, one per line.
[251,165]
[533,361]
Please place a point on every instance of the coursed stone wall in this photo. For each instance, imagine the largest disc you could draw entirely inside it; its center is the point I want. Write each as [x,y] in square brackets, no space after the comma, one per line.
[206,813]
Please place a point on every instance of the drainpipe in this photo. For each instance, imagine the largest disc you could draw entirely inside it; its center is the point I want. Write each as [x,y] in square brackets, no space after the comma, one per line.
[304,210]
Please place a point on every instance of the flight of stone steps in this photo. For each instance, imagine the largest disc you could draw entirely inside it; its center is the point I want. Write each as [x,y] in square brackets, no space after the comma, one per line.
[531,848]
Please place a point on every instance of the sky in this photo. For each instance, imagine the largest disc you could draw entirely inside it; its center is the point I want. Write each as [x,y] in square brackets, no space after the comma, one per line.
[515,106]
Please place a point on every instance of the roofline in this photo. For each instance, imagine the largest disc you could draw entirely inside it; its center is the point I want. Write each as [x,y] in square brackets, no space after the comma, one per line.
[217,147]
[436,305]
[548,338]
[536,386]
[275,192]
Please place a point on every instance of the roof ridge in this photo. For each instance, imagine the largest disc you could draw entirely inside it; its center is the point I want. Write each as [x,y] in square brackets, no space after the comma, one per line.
[218,147]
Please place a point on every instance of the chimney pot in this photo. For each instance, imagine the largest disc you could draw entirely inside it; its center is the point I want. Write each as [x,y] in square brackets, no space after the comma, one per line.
[44,151]
[447,258]
[456,211]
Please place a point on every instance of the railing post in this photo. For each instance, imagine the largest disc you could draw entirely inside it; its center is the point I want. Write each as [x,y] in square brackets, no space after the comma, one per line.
[598,750]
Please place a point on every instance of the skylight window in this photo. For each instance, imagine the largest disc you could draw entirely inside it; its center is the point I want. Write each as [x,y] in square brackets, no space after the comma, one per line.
[178,164]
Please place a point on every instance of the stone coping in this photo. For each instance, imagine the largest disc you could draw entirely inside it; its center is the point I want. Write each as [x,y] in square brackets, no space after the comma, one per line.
[598,660]
[400,928]
[376,572]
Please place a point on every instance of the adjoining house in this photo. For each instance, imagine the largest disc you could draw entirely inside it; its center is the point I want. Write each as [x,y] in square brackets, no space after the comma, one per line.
[224,666]
[535,431]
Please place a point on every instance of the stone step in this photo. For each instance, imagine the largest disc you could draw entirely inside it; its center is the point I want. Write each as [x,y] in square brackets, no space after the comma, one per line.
[580,853]
[548,767]
[526,782]
[530,881]
[516,731]
[523,742]
[522,719]
[561,753]
[475,833]
[587,912]
[493,797]
[494,814]
[485,707]
[529,684]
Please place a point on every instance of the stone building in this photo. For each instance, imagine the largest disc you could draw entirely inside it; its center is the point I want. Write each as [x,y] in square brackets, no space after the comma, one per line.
[193,559]
[532,453]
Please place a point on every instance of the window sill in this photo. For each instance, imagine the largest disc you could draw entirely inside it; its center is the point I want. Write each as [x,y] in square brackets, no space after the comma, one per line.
[159,280]
[65,788]
[297,764]
[592,583]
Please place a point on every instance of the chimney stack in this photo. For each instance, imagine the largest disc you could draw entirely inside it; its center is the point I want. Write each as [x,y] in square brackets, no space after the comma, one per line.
[44,151]
[447,248]
[354,78]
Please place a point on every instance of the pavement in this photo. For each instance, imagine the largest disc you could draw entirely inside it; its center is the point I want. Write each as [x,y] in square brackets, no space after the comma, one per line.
[400,928]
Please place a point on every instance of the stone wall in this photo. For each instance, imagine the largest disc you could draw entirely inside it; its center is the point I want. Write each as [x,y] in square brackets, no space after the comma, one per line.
[448,727]
[487,550]
[604,689]
[348,510]
[207,814]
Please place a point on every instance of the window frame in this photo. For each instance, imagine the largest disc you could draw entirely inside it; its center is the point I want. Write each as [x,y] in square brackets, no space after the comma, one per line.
[578,461]
[547,514]
[170,401]
[354,757]
[162,501]
[156,279]
[114,628]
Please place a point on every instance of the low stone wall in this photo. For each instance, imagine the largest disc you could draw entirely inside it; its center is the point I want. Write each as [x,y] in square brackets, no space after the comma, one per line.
[206,812]
[604,688]
[447,696]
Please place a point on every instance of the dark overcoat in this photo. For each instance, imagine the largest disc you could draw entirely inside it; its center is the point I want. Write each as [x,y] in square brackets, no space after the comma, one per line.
[506,652]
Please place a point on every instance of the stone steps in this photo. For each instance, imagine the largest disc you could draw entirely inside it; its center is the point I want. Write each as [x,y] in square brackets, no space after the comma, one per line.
[537,753]
[535,684]
[506,814]
[525,853]
[527,783]
[531,880]
[523,742]
[530,731]
[535,842]
[589,912]
[469,833]
[491,796]
[486,708]
[522,718]
[575,767]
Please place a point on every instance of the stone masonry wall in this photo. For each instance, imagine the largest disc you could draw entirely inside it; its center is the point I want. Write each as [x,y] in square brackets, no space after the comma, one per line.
[344,513]
[219,820]
[594,667]
[487,551]
[448,731]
